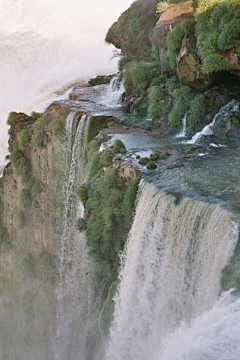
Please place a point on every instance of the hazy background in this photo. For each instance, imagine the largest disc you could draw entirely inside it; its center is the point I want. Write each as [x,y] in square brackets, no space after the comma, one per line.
[46,46]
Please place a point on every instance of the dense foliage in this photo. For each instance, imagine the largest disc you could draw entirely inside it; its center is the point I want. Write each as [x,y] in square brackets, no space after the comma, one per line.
[131,32]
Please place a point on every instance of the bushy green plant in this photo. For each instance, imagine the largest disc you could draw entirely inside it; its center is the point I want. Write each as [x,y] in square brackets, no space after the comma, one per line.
[197,111]
[182,105]
[38,132]
[144,160]
[217,29]
[81,224]
[24,140]
[14,116]
[151,165]
[82,193]
[157,106]
[106,157]
[174,39]
[130,32]
[118,146]
[129,199]
[21,164]
[140,75]
[55,125]
[161,6]
[41,219]
[164,154]
[155,156]
[36,115]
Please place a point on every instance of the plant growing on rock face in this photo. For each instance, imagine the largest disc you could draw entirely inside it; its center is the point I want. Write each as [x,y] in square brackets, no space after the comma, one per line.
[81,224]
[174,39]
[24,266]
[151,165]
[82,193]
[24,198]
[183,98]
[46,260]
[38,132]
[14,116]
[24,140]
[197,111]
[21,164]
[157,106]
[164,155]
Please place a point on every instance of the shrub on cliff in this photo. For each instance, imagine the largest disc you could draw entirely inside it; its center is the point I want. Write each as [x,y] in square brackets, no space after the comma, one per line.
[183,98]
[24,198]
[129,199]
[157,106]
[217,29]
[131,31]
[119,146]
[38,132]
[14,116]
[197,111]
[174,39]
[24,140]
[139,75]
[21,165]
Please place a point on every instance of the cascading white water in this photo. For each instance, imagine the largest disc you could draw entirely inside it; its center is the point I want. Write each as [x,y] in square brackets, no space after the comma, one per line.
[75,291]
[183,130]
[214,335]
[208,129]
[171,271]
[113,96]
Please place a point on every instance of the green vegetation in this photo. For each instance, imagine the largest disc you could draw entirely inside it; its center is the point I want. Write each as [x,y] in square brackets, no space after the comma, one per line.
[38,132]
[157,106]
[119,146]
[81,224]
[21,165]
[129,199]
[55,125]
[24,140]
[36,115]
[96,124]
[82,193]
[164,154]
[144,160]
[20,216]
[13,117]
[189,150]
[174,39]
[197,111]
[151,165]
[183,97]
[217,29]
[131,32]
[139,75]
[231,273]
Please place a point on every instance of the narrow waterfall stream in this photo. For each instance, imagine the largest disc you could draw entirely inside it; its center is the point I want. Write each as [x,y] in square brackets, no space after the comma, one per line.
[75,291]
[170,271]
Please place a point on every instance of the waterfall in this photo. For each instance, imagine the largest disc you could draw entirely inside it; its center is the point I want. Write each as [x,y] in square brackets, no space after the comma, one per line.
[208,129]
[170,271]
[113,96]
[75,292]
[183,130]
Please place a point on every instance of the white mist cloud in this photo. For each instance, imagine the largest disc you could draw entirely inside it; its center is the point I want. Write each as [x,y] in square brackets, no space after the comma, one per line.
[48,45]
